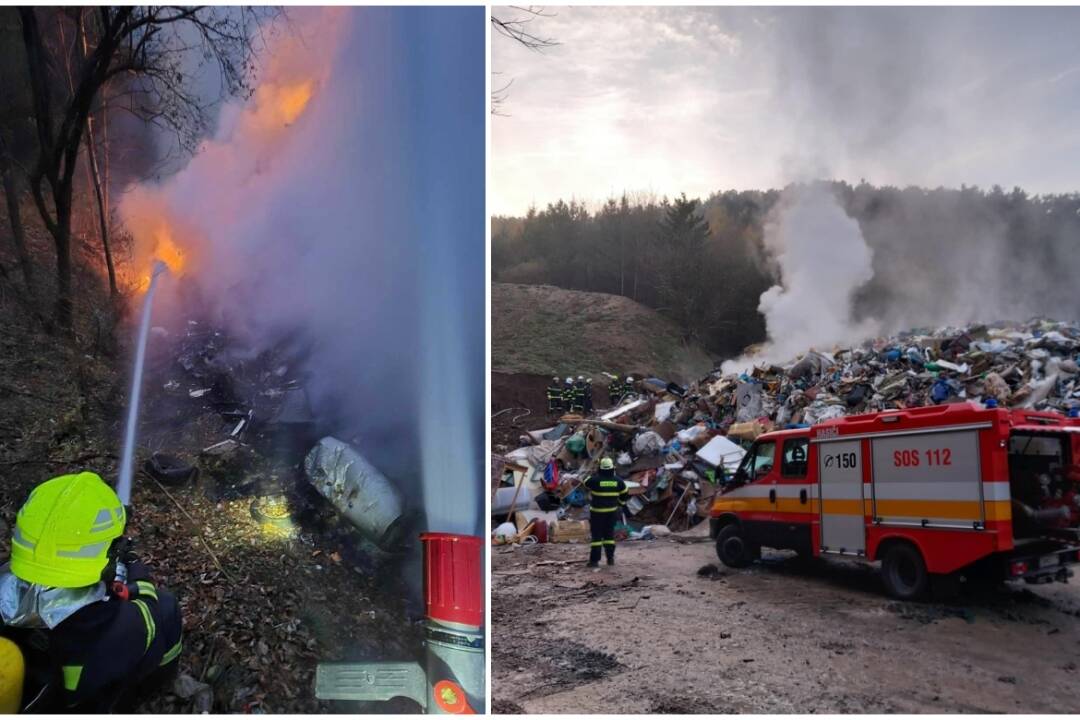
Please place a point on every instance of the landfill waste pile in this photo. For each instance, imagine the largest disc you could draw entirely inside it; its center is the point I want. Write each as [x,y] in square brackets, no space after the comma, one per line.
[675,446]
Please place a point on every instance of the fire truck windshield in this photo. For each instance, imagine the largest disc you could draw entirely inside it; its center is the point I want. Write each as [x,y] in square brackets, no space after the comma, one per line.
[756,463]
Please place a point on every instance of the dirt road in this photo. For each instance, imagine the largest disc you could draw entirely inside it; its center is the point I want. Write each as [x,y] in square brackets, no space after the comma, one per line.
[669,630]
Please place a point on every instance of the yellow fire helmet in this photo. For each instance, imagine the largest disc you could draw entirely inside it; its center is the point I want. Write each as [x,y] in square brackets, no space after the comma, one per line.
[64,530]
[606,464]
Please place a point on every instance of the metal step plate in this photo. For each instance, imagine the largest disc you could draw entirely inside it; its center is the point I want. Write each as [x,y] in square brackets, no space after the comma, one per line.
[378,681]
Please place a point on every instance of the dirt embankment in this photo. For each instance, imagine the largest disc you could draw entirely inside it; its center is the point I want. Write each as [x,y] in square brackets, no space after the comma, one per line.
[545,330]
[539,331]
[518,404]
[667,631]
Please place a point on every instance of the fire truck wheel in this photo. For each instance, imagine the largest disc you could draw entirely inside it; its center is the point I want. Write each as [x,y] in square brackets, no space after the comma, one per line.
[733,549]
[904,572]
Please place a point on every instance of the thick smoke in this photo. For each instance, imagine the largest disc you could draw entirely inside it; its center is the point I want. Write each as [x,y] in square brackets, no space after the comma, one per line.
[822,260]
[341,208]
[886,94]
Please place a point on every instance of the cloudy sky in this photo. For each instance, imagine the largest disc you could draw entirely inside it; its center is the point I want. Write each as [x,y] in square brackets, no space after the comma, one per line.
[670,100]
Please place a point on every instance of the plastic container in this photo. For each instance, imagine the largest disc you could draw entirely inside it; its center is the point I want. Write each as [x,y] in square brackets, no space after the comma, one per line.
[453,579]
[540,530]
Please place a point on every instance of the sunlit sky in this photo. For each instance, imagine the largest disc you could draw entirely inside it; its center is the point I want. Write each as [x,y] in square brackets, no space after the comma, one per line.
[694,100]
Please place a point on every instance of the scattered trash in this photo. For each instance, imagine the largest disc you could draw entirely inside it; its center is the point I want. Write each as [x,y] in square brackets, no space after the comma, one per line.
[648,443]
[222,448]
[676,446]
[721,451]
[511,499]
[272,510]
[186,687]
[170,470]
[711,571]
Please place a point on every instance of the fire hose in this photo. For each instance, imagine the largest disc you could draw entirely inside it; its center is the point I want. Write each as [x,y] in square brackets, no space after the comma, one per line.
[127,459]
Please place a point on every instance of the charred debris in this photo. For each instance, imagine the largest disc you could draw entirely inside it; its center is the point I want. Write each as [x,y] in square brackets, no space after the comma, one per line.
[279,574]
[238,424]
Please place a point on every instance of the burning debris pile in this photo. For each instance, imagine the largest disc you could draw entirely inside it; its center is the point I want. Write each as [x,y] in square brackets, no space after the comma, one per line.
[234,458]
[249,411]
[675,446]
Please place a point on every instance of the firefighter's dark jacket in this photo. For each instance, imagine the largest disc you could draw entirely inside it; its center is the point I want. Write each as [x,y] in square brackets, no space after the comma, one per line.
[114,644]
[608,491]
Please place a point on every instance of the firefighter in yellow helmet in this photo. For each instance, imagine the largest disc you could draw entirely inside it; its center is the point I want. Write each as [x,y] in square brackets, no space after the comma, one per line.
[111,632]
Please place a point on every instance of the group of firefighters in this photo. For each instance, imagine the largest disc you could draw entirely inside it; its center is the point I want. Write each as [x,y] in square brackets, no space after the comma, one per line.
[577,396]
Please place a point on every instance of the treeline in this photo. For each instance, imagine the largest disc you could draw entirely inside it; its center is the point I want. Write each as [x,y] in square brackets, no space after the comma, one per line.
[938,254]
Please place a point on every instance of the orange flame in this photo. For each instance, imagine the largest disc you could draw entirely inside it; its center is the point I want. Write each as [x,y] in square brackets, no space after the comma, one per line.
[162,217]
[292,99]
[167,251]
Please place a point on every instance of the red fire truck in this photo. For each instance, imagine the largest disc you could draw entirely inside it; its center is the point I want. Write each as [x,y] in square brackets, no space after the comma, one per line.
[933,493]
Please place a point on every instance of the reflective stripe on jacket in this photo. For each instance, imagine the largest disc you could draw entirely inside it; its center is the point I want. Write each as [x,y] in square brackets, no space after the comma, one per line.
[113,644]
[608,491]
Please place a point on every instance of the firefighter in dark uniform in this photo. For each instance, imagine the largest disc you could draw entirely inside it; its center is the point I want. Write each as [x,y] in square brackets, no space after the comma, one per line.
[608,496]
[614,390]
[588,395]
[108,639]
[554,396]
[579,395]
[628,387]
[568,395]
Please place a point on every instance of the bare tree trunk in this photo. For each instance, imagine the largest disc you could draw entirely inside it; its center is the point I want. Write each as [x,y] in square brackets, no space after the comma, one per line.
[105,156]
[64,310]
[11,192]
[95,176]
[622,261]
[103,213]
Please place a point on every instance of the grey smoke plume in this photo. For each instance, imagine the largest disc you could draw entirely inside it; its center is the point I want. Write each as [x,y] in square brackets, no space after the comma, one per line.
[332,209]
[822,260]
[885,93]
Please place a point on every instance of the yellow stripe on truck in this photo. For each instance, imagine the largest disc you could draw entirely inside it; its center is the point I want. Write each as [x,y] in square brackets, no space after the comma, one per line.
[999,510]
[744,505]
[996,510]
[941,509]
[842,507]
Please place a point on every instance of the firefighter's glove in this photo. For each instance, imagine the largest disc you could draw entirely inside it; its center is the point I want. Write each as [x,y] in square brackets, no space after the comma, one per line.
[136,570]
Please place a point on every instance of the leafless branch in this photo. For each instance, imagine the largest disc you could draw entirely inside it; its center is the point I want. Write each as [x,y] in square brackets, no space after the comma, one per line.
[518,29]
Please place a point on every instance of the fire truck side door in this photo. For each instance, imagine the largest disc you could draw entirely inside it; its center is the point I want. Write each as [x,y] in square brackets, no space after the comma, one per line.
[843,525]
[793,507]
[761,468]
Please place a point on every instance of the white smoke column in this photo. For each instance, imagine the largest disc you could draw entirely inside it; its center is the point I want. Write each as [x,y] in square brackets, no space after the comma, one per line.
[822,260]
